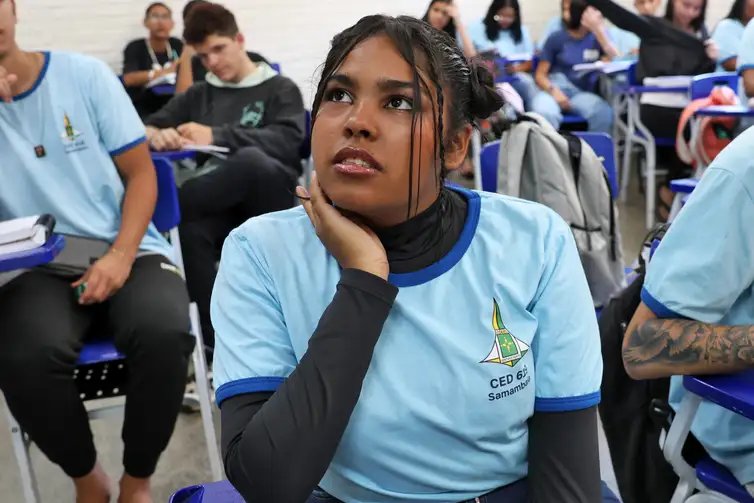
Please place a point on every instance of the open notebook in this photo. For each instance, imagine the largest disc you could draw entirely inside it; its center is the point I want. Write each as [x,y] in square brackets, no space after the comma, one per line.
[27,233]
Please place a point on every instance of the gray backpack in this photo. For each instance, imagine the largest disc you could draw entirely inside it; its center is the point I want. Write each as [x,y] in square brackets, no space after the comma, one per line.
[540,164]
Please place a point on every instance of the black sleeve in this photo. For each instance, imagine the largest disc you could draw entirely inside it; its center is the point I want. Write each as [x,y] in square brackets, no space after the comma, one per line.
[198,71]
[177,111]
[177,45]
[564,463]
[282,132]
[133,55]
[277,447]
[624,18]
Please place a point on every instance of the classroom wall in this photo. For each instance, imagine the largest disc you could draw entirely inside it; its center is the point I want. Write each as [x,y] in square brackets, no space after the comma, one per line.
[295,33]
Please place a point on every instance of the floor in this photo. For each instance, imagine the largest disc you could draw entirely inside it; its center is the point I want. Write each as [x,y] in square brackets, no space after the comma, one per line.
[184,461]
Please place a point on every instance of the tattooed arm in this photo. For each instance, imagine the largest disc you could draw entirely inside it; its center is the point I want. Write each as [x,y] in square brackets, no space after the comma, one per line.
[663,347]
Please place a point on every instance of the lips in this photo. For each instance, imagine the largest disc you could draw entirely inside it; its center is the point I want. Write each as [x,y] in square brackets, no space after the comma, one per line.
[356,159]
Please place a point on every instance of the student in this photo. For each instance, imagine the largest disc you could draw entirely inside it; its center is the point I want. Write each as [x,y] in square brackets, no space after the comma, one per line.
[445,16]
[73,146]
[702,296]
[501,31]
[344,367]
[556,23]
[745,63]
[677,44]
[146,59]
[248,108]
[729,32]
[190,68]
[562,89]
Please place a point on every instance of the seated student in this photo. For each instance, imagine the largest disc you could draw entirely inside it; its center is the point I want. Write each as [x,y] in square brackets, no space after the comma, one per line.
[563,89]
[703,297]
[73,146]
[677,44]
[502,31]
[745,69]
[248,108]
[729,33]
[146,59]
[555,24]
[445,16]
[190,68]
[345,369]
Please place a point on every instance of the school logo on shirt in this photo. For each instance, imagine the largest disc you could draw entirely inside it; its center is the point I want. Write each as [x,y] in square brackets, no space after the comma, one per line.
[252,114]
[506,349]
[73,140]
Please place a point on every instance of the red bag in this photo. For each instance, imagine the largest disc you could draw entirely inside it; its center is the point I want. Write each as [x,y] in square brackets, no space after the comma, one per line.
[714,134]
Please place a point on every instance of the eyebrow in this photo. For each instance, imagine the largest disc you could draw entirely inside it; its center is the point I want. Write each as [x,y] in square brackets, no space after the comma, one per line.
[384,85]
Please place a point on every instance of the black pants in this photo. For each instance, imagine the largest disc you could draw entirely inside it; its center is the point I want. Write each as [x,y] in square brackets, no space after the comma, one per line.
[41,332]
[248,184]
[662,122]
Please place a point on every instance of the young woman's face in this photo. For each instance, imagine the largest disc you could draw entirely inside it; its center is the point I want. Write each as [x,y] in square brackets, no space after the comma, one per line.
[686,11]
[565,7]
[647,7]
[159,22]
[438,16]
[506,17]
[362,135]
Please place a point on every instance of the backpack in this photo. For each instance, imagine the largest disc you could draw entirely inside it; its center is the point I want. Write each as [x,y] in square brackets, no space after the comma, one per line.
[635,413]
[715,133]
[560,171]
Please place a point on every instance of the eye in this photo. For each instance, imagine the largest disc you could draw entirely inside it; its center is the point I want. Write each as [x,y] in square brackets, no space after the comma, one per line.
[339,96]
[400,103]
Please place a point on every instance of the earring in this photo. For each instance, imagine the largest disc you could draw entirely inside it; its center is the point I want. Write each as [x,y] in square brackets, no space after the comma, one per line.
[496,18]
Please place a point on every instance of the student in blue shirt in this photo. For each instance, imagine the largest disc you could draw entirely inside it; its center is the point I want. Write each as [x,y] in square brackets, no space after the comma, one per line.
[445,16]
[502,31]
[697,310]
[564,89]
[395,339]
[729,33]
[72,145]
[745,69]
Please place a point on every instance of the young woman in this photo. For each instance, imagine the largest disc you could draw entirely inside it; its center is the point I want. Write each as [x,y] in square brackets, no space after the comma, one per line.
[443,15]
[563,89]
[345,369]
[677,44]
[730,31]
[501,31]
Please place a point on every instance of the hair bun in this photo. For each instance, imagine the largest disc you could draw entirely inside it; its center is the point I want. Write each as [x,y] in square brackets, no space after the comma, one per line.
[484,100]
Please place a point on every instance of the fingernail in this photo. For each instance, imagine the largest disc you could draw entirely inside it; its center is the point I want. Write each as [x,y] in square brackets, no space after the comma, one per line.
[301,191]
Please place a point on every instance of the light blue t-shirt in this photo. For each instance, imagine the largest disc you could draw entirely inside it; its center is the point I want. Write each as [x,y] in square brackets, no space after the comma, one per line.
[727,35]
[505,45]
[80,115]
[553,25]
[704,270]
[499,328]
[746,57]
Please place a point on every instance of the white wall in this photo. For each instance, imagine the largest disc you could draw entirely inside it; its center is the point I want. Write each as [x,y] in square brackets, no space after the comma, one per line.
[295,33]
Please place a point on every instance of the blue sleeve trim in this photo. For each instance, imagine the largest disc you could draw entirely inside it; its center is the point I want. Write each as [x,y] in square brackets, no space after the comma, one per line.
[743,68]
[566,403]
[657,307]
[248,385]
[128,146]
[727,58]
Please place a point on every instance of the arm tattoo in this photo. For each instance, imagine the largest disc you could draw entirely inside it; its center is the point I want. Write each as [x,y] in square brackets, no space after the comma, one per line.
[688,346]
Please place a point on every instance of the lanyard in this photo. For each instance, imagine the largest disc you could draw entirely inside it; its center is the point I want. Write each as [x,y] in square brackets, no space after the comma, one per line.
[155,63]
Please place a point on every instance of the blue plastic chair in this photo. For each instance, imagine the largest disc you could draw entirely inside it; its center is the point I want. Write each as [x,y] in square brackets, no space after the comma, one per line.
[215,492]
[734,392]
[702,85]
[601,143]
[101,370]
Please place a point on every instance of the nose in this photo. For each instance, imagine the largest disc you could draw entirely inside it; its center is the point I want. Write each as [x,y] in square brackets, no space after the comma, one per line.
[361,122]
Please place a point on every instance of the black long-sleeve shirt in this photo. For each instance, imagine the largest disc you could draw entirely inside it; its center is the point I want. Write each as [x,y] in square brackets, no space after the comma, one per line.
[277,446]
[664,49]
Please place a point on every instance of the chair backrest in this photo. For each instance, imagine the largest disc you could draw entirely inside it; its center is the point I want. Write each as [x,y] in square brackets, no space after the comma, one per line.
[603,146]
[306,147]
[167,212]
[488,163]
[601,143]
[702,85]
[631,75]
